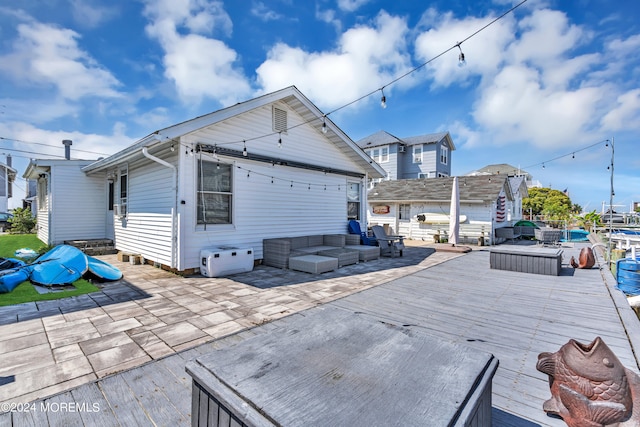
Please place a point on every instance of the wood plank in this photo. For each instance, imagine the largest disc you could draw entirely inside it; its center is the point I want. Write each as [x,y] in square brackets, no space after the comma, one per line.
[125,405]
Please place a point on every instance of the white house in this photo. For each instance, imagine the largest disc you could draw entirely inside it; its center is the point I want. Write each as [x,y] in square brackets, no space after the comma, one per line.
[272,166]
[419,208]
[7,176]
[69,204]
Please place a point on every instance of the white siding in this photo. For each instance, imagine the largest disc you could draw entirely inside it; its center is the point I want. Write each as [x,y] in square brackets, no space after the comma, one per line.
[78,204]
[263,209]
[147,228]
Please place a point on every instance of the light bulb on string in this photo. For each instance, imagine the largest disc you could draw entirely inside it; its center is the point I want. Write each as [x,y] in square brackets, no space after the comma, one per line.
[280,140]
[324,125]
[244,150]
[383,100]
[573,155]
[461,61]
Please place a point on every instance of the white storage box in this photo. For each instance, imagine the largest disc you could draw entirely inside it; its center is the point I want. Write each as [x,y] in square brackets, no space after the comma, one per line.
[225,260]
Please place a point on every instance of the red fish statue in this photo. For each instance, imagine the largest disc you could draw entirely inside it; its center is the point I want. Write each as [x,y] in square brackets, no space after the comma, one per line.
[586,259]
[590,387]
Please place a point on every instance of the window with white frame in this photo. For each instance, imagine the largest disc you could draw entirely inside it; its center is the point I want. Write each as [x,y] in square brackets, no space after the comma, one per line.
[353,201]
[380,155]
[124,192]
[417,153]
[214,193]
[404,212]
[444,154]
[43,192]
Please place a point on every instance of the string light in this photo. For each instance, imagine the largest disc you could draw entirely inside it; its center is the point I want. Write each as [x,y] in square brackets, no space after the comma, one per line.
[572,154]
[461,61]
[324,124]
[280,140]
[383,100]
[244,149]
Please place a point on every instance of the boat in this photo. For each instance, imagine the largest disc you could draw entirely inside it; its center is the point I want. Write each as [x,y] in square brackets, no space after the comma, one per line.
[12,273]
[102,270]
[437,218]
[62,265]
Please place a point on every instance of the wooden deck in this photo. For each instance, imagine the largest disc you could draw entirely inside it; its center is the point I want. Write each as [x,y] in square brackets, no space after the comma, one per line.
[512,315]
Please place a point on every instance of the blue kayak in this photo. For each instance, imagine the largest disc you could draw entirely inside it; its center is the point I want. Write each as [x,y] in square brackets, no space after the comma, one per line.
[62,265]
[102,270]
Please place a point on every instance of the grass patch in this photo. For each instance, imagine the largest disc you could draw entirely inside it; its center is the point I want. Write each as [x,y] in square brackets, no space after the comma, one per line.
[25,292]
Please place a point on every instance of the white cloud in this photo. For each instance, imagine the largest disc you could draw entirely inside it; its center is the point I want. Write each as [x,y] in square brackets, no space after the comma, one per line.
[626,113]
[484,53]
[47,55]
[351,5]
[366,57]
[90,15]
[198,65]
[260,10]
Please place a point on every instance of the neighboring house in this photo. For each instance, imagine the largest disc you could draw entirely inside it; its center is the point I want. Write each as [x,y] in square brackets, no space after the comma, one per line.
[273,166]
[484,204]
[69,205]
[7,176]
[425,156]
[508,170]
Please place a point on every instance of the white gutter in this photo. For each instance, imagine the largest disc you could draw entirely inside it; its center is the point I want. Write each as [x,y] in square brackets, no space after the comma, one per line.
[174,213]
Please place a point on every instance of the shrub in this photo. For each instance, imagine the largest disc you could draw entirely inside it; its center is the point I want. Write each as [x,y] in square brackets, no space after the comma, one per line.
[22,222]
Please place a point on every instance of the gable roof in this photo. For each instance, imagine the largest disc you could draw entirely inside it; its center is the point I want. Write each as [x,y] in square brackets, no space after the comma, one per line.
[500,168]
[291,96]
[385,138]
[473,189]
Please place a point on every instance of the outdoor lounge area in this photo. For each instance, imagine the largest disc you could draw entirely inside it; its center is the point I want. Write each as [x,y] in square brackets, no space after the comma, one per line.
[317,253]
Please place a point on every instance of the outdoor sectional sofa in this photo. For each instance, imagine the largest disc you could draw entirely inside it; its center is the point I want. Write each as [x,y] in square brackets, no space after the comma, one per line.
[307,252]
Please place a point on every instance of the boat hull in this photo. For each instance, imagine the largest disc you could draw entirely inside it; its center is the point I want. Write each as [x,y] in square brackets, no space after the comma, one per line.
[62,265]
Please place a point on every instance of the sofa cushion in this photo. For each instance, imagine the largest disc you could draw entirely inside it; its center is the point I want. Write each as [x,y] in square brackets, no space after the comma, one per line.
[316,240]
[299,242]
[336,240]
[315,249]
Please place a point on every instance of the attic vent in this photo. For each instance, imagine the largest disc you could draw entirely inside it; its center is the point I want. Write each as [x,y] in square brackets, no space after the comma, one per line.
[280,120]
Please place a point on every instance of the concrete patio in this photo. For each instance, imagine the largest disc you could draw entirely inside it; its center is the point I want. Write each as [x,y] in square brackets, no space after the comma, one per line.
[53,346]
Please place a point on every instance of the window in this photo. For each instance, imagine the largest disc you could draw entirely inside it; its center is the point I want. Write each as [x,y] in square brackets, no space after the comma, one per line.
[380,155]
[214,193]
[444,154]
[417,153]
[42,192]
[404,212]
[124,187]
[112,195]
[353,201]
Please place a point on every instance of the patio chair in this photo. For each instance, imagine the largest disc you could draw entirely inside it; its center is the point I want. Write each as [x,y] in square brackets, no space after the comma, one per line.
[548,236]
[389,245]
[354,228]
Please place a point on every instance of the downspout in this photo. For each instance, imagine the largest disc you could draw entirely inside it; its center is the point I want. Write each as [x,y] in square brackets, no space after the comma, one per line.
[174,236]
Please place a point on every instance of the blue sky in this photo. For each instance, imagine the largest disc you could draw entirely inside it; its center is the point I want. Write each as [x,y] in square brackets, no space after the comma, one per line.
[542,83]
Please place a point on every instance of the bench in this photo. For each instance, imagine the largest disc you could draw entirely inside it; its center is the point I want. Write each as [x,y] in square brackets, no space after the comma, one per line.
[333,367]
[526,259]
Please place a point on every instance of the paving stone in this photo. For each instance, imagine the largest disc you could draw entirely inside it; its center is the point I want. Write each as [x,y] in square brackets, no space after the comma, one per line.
[26,359]
[105,342]
[117,326]
[25,341]
[152,345]
[107,360]
[67,352]
[178,333]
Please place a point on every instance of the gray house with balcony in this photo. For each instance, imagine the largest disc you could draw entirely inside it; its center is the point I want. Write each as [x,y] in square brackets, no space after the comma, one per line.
[424,156]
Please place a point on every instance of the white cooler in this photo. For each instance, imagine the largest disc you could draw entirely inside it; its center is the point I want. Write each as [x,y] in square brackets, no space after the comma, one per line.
[225,260]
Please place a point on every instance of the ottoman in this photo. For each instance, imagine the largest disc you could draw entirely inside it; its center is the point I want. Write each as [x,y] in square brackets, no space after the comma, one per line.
[367,253]
[344,256]
[313,263]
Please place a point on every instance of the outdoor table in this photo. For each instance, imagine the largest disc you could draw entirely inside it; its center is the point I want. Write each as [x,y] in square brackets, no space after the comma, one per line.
[329,366]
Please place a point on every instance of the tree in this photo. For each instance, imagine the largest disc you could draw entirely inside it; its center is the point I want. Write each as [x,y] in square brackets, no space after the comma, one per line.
[22,222]
[545,201]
